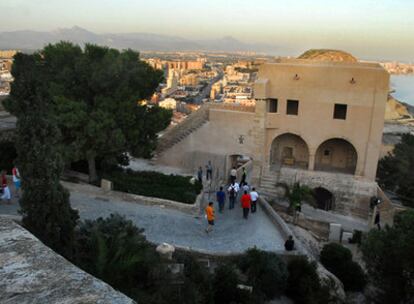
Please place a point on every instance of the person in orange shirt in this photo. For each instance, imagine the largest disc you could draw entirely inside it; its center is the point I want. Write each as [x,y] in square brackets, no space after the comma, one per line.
[210,217]
[246,201]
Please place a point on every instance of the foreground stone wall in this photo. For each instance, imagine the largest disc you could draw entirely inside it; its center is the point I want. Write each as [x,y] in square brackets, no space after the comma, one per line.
[32,273]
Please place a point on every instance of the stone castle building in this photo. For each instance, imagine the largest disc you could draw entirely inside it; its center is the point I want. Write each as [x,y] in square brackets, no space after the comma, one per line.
[315,122]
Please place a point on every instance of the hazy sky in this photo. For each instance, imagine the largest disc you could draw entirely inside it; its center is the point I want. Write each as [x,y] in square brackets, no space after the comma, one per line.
[372,29]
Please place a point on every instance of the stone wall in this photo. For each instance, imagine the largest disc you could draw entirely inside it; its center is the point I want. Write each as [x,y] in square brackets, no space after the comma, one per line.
[352,195]
[32,273]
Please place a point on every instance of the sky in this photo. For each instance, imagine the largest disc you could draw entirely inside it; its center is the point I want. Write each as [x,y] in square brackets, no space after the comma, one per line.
[369,29]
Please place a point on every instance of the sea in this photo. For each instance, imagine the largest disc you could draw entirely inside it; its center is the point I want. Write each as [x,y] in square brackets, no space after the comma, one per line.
[404,88]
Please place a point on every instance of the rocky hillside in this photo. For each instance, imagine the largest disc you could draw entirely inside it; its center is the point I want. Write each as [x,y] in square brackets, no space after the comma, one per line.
[396,110]
[328,55]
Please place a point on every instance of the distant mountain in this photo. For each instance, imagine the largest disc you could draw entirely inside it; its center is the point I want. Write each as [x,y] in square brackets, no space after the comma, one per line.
[139,41]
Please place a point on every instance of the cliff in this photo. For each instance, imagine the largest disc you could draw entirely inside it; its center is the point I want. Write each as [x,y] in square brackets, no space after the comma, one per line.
[395,110]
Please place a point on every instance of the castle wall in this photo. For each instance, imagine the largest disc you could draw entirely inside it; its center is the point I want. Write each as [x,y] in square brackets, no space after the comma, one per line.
[363,88]
[225,133]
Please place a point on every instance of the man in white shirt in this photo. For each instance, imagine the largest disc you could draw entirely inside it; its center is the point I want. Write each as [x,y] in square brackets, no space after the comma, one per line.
[233,190]
[254,196]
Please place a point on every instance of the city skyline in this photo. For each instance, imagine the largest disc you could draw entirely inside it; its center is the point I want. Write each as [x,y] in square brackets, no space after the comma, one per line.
[367,29]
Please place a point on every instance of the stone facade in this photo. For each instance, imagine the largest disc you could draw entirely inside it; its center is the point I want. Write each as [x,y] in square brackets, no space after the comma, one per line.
[320,122]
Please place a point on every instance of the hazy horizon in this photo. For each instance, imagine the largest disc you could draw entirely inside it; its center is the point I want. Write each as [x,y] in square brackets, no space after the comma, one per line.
[365,28]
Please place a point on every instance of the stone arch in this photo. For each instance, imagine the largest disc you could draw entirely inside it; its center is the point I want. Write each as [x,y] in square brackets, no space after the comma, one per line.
[290,150]
[324,198]
[336,155]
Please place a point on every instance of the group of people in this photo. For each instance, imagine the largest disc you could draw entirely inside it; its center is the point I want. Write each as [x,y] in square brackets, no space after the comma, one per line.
[5,190]
[248,198]
[209,172]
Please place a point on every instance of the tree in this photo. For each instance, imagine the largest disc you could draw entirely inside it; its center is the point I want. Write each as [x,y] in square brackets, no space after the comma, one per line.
[303,284]
[298,194]
[95,93]
[396,170]
[45,203]
[389,258]
[266,272]
[338,260]
[116,251]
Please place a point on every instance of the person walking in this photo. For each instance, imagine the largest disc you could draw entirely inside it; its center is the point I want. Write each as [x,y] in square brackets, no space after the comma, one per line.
[209,171]
[210,217]
[244,176]
[221,198]
[232,190]
[246,204]
[6,196]
[3,179]
[254,196]
[200,174]
[16,180]
[377,220]
[233,175]
[245,187]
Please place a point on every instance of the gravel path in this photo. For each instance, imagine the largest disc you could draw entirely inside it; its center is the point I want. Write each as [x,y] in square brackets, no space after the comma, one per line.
[231,234]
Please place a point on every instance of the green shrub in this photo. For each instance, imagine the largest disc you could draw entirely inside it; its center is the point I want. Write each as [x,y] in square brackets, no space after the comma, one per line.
[116,251]
[388,255]
[225,289]
[303,284]
[154,184]
[338,260]
[265,271]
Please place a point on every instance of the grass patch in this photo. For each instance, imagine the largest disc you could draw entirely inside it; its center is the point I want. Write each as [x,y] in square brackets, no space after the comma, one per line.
[155,184]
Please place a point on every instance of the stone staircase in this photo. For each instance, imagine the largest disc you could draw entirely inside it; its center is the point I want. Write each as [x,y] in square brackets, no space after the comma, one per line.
[176,134]
[268,184]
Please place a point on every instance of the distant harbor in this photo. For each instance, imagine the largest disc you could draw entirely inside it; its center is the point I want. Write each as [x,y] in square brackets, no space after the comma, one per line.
[404,88]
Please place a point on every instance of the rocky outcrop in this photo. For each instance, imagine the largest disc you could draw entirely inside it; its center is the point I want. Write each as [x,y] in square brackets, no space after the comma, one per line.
[32,273]
[328,55]
[395,110]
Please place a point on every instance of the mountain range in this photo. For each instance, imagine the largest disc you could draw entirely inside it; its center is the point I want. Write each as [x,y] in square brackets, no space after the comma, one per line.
[32,40]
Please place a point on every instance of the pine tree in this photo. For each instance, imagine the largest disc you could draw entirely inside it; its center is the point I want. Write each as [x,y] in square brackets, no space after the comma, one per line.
[45,203]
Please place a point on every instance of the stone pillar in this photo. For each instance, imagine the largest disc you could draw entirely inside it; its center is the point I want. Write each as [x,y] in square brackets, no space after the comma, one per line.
[311,162]
[259,135]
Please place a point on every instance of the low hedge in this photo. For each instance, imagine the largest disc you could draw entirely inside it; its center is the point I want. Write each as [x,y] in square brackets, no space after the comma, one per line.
[155,184]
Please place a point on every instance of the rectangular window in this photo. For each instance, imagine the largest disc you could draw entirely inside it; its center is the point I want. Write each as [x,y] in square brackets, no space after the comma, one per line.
[292,107]
[272,105]
[340,111]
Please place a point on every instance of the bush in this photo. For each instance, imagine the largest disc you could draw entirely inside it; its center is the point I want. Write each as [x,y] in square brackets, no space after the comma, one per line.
[225,286]
[389,258]
[265,271]
[338,260]
[303,284]
[116,251]
[154,184]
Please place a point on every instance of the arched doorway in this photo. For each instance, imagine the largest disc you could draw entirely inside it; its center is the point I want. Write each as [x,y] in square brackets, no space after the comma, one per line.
[336,155]
[238,161]
[324,198]
[289,150]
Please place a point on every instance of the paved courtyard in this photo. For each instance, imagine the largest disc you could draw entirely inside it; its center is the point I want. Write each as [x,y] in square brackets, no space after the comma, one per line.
[231,234]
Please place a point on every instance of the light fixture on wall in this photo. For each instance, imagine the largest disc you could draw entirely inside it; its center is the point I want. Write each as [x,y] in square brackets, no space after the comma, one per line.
[296,77]
[352,81]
